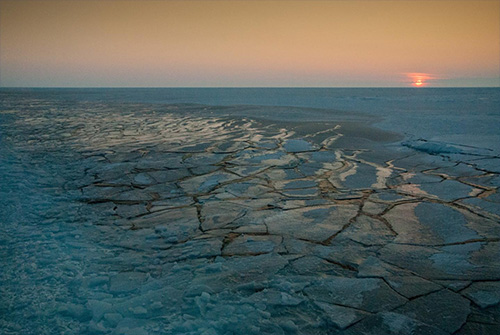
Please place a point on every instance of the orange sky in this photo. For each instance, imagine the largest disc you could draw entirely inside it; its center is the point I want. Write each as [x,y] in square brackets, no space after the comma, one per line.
[249,43]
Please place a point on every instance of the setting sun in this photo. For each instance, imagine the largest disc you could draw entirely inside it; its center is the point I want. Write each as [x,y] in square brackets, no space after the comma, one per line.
[418,79]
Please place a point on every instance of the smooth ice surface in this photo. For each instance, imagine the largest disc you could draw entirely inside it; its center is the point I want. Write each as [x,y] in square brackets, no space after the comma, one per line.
[141,212]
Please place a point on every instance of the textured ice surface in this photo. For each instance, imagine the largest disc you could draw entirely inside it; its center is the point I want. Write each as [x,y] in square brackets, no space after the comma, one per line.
[122,218]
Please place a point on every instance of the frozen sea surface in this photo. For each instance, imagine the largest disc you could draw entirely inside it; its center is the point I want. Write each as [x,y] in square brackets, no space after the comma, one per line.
[169,216]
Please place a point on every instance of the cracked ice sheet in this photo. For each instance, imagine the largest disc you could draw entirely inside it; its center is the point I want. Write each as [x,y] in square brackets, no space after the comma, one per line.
[313,224]
[162,223]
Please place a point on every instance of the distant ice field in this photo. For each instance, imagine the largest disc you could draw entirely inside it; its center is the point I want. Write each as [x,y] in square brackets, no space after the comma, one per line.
[467,116]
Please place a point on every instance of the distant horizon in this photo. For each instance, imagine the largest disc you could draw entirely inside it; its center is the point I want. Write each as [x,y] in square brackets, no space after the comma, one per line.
[239,87]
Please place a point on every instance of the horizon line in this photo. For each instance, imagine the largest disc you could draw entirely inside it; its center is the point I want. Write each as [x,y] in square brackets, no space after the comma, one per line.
[229,87]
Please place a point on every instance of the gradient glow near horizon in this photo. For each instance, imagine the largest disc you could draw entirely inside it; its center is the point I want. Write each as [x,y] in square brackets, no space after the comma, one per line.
[249,43]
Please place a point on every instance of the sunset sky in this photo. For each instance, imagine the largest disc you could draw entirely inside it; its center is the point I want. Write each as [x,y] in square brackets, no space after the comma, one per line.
[249,43]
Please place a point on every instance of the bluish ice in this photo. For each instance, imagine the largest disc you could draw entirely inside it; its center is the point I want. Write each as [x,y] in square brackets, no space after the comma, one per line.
[249,211]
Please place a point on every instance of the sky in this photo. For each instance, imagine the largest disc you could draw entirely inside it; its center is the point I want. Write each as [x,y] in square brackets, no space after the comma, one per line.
[141,43]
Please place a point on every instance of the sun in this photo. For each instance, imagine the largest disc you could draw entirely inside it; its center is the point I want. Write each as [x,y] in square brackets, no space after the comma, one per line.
[419,79]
